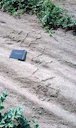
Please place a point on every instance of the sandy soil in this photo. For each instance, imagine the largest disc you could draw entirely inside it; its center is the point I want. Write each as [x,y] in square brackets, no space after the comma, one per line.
[45,84]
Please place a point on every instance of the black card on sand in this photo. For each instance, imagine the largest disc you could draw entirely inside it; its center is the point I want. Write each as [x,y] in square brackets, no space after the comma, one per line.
[18,54]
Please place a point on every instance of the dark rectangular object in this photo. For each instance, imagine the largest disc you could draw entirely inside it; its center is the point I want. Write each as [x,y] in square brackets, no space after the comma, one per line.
[18,54]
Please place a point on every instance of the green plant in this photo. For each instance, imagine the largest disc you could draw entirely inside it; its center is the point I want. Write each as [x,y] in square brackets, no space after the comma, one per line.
[13,5]
[52,16]
[49,14]
[13,118]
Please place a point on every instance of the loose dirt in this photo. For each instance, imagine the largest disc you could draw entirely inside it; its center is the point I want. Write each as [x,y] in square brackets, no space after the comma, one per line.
[45,84]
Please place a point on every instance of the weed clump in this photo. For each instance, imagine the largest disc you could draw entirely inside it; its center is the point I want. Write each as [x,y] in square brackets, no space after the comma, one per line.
[49,14]
[14,117]
[12,6]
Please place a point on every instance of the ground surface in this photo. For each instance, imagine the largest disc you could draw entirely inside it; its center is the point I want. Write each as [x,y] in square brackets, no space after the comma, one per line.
[45,84]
